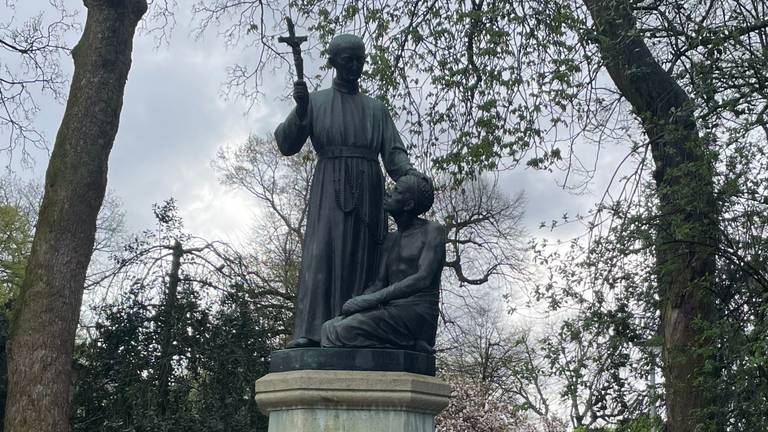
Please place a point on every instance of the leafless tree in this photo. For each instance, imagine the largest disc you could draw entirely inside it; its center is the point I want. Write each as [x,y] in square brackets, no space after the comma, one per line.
[485,236]
[31,51]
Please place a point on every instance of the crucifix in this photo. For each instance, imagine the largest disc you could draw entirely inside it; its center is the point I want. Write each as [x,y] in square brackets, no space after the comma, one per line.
[294,42]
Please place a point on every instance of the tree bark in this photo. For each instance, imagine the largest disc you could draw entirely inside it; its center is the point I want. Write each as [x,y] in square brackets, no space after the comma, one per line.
[688,216]
[46,315]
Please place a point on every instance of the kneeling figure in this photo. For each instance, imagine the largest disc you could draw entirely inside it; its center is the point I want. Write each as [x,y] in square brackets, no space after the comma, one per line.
[400,309]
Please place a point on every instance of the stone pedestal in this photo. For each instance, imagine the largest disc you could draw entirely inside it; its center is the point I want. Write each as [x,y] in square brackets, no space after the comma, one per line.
[352,359]
[351,401]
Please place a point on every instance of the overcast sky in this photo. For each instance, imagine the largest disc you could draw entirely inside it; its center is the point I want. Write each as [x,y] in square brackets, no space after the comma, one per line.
[174,120]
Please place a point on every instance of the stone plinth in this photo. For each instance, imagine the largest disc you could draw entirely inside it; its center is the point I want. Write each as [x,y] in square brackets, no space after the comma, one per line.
[351,401]
[355,359]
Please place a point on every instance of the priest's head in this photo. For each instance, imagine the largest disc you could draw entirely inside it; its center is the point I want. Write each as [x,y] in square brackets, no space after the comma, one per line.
[346,54]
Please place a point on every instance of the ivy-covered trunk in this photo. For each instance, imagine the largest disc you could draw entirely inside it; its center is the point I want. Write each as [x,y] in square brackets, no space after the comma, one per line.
[168,320]
[47,312]
[687,225]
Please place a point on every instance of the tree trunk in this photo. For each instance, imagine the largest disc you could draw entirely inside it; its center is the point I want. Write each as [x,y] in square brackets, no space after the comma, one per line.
[46,315]
[688,217]
[168,320]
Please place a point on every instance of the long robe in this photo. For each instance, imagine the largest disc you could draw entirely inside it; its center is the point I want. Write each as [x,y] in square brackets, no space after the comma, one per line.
[346,223]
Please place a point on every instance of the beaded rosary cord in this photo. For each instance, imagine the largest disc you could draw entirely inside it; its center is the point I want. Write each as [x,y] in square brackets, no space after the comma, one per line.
[355,188]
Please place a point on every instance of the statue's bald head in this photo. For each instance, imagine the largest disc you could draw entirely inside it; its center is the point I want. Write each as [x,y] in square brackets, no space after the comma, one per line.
[346,43]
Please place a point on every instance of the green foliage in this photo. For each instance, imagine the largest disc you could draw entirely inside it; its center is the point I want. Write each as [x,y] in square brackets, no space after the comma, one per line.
[15,244]
[236,357]
[603,350]
[180,348]
[18,212]
[16,232]
[218,352]
[472,82]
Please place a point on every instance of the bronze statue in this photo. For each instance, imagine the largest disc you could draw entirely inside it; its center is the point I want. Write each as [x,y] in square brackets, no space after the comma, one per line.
[400,310]
[346,224]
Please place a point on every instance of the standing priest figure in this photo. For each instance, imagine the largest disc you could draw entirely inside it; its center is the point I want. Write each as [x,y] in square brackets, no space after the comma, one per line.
[346,224]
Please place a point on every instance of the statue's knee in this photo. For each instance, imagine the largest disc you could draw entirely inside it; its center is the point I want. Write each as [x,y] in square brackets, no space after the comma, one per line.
[338,327]
[331,328]
[327,327]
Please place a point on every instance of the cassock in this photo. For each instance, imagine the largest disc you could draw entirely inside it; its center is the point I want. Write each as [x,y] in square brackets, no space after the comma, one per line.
[346,224]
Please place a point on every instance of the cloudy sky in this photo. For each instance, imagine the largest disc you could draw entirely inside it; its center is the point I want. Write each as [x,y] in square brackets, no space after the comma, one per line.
[174,119]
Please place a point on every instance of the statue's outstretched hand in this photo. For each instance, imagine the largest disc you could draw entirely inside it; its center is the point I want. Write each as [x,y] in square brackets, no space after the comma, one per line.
[301,96]
[360,303]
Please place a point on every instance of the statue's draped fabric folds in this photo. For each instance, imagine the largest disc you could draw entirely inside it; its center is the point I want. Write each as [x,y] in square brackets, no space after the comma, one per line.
[346,224]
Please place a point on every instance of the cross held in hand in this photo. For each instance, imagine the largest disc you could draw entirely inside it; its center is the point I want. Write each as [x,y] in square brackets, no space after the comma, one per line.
[294,42]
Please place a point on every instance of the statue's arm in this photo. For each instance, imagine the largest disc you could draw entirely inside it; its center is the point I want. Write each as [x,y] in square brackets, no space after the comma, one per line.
[431,261]
[393,153]
[293,133]
[381,275]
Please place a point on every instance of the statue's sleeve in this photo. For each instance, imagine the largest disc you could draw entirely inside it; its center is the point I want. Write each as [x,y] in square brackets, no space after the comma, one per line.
[431,260]
[393,153]
[293,133]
